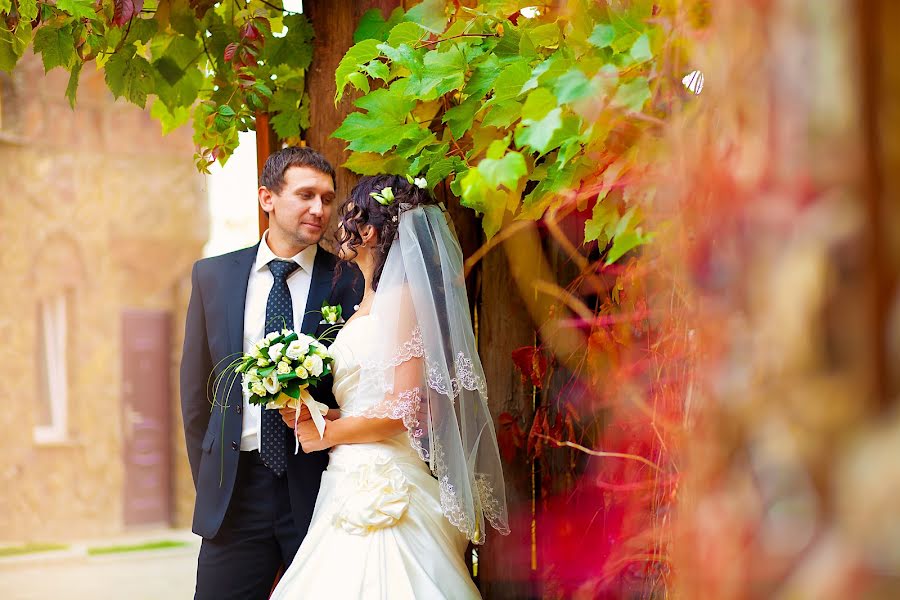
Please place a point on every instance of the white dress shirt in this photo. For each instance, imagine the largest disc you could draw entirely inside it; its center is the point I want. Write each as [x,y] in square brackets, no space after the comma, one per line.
[258,287]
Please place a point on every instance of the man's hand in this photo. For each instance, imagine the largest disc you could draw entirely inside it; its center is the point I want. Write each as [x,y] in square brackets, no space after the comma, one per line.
[288,415]
[308,436]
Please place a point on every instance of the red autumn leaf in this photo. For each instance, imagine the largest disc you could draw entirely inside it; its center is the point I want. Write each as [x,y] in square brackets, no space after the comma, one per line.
[230,49]
[539,428]
[249,31]
[125,10]
[532,363]
[510,437]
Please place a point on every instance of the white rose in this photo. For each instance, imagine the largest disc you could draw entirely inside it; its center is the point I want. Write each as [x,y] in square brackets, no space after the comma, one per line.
[271,383]
[275,352]
[271,336]
[285,332]
[301,372]
[297,349]
[258,388]
[314,365]
[284,367]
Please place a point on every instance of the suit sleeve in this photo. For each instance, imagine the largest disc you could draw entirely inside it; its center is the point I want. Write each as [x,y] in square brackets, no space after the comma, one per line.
[196,367]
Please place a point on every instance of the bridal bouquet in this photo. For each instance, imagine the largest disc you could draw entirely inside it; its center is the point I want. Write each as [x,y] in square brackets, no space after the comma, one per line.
[280,368]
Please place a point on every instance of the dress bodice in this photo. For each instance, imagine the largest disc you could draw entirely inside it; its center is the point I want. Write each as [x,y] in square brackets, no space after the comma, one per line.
[356,344]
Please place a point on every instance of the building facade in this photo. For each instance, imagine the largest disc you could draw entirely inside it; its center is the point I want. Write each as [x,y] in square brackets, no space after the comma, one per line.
[101,218]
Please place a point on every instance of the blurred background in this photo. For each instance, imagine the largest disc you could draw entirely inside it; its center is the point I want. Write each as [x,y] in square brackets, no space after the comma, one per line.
[714,416]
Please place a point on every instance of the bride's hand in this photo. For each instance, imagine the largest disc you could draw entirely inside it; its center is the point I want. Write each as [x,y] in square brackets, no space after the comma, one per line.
[308,436]
[288,415]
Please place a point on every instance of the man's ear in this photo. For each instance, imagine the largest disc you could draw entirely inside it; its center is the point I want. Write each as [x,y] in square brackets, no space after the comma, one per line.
[265,198]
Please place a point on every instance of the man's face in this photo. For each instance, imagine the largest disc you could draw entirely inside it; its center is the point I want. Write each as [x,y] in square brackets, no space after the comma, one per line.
[301,211]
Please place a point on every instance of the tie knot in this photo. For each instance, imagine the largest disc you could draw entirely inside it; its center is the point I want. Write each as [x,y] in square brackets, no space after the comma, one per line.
[282,268]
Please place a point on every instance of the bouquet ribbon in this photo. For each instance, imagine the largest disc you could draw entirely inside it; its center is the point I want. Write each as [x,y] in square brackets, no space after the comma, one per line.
[316,410]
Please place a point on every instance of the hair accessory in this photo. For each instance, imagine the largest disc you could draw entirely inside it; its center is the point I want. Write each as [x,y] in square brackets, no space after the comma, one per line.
[419,182]
[385,197]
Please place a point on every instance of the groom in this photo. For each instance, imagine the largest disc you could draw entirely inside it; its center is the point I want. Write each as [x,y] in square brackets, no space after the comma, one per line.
[255,497]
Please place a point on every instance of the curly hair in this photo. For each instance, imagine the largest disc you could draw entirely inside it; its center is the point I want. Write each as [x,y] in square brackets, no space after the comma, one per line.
[361,208]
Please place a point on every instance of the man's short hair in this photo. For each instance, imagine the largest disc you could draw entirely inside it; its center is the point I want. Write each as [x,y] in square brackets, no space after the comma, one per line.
[293,156]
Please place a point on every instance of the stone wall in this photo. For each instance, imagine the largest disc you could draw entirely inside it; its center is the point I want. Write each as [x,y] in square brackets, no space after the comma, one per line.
[95,201]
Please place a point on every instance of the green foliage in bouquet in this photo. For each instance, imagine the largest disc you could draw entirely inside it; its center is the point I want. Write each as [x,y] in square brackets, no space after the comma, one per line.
[522,107]
[214,64]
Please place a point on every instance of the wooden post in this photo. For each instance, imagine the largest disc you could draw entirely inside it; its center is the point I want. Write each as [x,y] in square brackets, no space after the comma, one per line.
[267,142]
[334,24]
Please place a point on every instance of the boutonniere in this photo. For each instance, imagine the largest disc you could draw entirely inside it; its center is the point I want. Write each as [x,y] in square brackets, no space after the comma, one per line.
[331,314]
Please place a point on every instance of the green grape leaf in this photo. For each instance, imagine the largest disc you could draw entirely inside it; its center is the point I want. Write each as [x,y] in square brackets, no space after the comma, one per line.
[56,46]
[640,50]
[129,77]
[80,9]
[28,9]
[170,120]
[353,60]
[633,95]
[72,86]
[429,14]
[603,35]
[370,163]
[441,73]
[13,44]
[293,49]
[572,86]
[406,33]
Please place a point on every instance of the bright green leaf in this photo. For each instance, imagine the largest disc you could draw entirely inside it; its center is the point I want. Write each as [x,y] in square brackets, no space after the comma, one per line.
[603,35]
[56,46]
[441,73]
[170,120]
[538,134]
[503,114]
[510,81]
[72,86]
[28,9]
[429,14]
[80,9]
[353,60]
[370,163]
[640,50]
[572,86]
[13,44]
[129,77]
[538,103]
[633,95]
[406,33]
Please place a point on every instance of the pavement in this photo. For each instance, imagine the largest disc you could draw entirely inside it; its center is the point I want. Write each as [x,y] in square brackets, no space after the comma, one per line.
[72,574]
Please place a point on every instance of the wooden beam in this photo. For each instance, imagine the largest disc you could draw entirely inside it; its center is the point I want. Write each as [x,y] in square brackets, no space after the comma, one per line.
[334,24]
[267,142]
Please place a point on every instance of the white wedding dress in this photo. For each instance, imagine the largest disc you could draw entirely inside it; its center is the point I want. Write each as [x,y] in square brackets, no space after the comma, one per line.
[377,530]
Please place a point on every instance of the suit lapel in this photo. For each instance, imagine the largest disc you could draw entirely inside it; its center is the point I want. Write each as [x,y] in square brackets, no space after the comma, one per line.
[238,278]
[319,288]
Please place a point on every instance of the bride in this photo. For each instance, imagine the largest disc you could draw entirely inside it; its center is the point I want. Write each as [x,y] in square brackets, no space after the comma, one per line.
[413,470]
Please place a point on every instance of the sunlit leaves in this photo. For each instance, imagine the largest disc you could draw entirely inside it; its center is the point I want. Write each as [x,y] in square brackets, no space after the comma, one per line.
[131,77]
[353,60]
[56,46]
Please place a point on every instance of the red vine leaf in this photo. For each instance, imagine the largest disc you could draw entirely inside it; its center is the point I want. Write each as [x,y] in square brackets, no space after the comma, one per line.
[230,49]
[532,364]
[125,10]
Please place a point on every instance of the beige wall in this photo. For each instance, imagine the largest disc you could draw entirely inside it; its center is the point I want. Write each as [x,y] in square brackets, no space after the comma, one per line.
[98,201]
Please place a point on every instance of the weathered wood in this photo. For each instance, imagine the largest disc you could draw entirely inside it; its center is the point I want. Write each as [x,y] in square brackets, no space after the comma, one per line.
[334,24]
[266,143]
[505,562]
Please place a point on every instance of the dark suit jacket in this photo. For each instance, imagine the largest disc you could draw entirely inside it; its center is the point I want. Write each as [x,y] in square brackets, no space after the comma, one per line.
[213,336]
